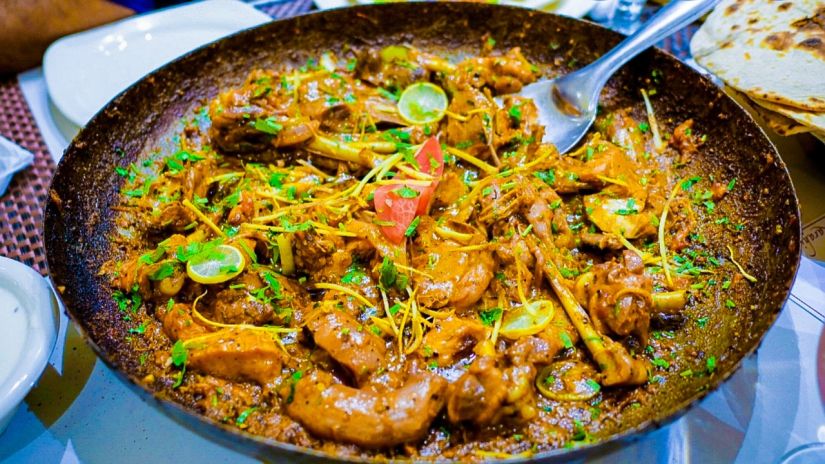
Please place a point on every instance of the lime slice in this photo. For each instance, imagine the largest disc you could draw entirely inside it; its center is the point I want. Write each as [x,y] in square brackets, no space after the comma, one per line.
[422,103]
[220,265]
[527,319]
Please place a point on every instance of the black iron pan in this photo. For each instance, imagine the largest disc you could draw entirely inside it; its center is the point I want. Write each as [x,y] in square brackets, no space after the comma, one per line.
[79,215]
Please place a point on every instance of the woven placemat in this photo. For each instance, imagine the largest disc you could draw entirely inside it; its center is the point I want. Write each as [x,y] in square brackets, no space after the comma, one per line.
[21,208]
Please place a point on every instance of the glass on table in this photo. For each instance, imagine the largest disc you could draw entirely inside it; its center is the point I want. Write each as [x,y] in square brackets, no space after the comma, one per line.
[627,16]
[812,453]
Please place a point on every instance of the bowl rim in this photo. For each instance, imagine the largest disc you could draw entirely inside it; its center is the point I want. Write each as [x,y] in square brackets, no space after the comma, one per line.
[36,297]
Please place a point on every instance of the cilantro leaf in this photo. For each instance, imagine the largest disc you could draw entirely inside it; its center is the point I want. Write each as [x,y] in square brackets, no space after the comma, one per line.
[406,192]
[490,316]
[549,176]
[268,126]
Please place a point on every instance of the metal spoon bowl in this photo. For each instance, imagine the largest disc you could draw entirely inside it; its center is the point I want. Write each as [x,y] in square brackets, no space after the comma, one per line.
[567,104]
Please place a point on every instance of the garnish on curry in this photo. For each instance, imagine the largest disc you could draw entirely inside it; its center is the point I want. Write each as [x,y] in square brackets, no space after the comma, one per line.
[324,265]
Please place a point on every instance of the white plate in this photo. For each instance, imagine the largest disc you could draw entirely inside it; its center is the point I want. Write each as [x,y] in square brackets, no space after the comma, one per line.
[85,70]
[28,319]
[573,8]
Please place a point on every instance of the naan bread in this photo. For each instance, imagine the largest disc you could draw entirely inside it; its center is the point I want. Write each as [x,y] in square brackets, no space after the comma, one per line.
[780,124]
[772,50]
[814,120]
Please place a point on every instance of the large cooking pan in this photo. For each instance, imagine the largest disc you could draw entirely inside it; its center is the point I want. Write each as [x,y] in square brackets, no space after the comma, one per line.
[79,215]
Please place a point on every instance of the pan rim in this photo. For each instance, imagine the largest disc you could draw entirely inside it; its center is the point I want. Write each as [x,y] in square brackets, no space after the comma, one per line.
[678,409]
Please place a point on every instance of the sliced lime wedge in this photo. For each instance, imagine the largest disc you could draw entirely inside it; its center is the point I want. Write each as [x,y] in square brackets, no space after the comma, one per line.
[422,103]
[223,264]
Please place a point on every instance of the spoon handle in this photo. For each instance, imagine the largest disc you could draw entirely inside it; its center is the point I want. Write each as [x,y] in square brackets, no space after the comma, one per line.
[670,18]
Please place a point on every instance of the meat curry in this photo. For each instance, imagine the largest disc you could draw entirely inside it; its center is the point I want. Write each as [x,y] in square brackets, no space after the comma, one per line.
[369,256]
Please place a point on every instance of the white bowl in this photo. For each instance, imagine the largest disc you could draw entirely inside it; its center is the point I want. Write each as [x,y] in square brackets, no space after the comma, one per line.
[84,71]
[28,330]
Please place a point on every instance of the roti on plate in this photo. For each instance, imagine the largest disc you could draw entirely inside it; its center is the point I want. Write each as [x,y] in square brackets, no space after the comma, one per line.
[772,50]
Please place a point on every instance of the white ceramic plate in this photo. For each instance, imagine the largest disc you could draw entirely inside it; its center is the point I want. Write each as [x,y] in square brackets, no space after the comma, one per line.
[28,315]
[85,70]
[573,8]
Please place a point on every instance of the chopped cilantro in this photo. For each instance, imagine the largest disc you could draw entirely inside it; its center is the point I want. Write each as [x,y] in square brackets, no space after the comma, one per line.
[269,125]
[548,177]
[411,228]
[165,270]
[244,415]
[515,114]
[490,316]
[406,192]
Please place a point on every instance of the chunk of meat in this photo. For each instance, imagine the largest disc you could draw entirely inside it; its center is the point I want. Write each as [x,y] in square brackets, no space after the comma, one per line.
[237,354]
[237,306]
[470,134]
[322,256]
[243,211]
[366,417]
[504,74]
[620,297]
[360,351]
[619,216]
[623,130]
[243,123]
[535,349]
[173,217]
[178,323]
[601,241]
[683,139]
[517,122]
[452,337]
[398,69]
[373,235]
[450,276]
[478,394]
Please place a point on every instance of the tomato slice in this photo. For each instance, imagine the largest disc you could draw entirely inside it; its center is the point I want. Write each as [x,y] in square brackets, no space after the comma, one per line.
[393,208]
[430,159]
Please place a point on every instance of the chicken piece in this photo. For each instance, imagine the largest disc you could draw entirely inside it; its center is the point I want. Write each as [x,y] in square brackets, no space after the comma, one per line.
[619,216]
[452,337]
[620,297]
[238,306]
[173,217]
[504,74]
[449,191]
[396,67]
[360,351]
[478,394]
[601,241]
[237,354]
[178,323]
[517,122]
[450,276]
[535,349]
[617,365]
[683,140]
[322,256]
[378,241]
[367,417]
[243,211]
[242,123]
[471,134]
[623,131]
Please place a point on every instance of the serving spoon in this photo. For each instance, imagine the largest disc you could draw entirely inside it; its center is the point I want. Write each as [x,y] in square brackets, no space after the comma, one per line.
[567,104]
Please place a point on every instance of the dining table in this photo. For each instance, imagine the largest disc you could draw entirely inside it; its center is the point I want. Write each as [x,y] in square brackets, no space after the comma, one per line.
[80,411]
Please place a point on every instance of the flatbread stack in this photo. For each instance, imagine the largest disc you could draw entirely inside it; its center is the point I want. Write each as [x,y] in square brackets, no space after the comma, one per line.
[772,51]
